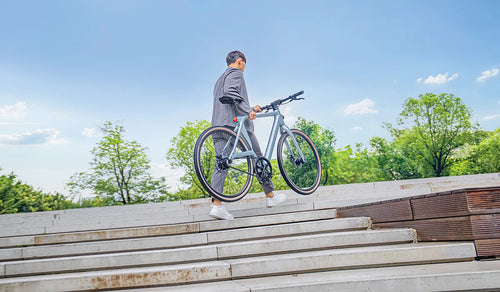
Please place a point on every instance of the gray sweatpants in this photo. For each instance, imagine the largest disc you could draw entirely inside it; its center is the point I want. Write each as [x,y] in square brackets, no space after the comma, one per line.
[219,176]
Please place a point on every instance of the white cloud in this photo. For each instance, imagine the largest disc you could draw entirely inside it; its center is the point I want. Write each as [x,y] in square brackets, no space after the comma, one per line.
[357,128]
[439,79]
[487,74]
[15,111]
[361,108]
[89,132]
[38,137]
[493,117]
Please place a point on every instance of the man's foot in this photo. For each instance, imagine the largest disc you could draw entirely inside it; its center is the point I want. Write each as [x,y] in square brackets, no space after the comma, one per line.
[276,200]
[219,212]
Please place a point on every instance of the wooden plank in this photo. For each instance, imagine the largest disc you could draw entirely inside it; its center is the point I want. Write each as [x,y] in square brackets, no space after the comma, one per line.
[442,229]
[440,206]
[465,214]
[384,212]
[484,201]
[486,226]
[488,247]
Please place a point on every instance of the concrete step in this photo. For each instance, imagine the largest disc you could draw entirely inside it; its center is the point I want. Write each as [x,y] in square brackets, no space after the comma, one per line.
[289,244]
[98,223]
[252,210]
[96,217]
[175,229]
[372,256]
[203,238]
[122,214]
[461,276]
[352,257]
[70,224]
[84,213]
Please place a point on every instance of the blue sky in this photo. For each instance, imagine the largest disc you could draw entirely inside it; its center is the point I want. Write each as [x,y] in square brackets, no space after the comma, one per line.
[66,67]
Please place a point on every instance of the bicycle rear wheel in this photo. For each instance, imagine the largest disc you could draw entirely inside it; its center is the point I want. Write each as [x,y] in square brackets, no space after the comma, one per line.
[225,179]
[302,175]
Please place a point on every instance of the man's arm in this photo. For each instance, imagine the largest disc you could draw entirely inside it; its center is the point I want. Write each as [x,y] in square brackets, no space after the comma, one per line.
[233,88]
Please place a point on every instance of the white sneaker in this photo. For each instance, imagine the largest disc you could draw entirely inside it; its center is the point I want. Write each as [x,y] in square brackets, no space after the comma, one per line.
[276,200]
[219,212]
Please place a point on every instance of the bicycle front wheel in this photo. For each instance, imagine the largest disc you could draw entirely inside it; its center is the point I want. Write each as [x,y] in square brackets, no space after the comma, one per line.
[225,179]
[301,172]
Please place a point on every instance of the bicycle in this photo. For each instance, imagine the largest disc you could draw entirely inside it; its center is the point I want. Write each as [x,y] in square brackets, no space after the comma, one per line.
[216,150]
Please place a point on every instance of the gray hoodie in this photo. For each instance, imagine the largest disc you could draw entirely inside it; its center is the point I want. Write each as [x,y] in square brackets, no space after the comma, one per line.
[231,83]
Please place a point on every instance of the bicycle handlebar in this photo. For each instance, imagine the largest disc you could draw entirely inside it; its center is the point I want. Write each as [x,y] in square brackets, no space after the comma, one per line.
[274,105]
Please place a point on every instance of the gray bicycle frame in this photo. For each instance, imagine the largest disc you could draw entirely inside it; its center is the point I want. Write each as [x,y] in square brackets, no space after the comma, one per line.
[278,124]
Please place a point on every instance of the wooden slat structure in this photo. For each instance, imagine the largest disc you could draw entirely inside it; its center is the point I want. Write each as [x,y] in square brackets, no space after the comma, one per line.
[471,214]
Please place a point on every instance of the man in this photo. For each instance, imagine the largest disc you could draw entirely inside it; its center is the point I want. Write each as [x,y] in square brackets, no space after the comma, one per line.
[231,84]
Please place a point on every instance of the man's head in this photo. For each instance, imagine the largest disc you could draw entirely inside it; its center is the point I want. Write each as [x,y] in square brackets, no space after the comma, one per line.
[236,59]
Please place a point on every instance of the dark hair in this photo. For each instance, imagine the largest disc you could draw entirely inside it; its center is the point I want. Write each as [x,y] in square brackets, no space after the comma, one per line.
[233,56]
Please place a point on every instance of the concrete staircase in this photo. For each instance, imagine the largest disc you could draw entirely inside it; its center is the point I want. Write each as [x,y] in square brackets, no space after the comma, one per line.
[300,246]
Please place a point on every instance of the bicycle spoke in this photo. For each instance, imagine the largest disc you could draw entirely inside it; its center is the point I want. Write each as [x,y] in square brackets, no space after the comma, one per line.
[301,172]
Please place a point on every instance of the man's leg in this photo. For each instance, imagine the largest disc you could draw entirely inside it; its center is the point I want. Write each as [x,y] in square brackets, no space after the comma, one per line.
[219,175]
[217,182]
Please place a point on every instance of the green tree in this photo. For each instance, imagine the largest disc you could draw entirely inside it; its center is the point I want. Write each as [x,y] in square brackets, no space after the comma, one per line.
[432,127]
[16,197]
[392,160]
[324,140]
[356,165]
[481,157]
[119,171]
[180,155]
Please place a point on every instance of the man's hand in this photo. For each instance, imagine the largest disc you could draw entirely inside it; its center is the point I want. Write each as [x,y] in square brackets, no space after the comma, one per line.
[252,115]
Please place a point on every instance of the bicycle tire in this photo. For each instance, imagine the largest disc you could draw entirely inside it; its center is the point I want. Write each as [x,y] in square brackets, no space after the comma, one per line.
[302,176]
[239,173]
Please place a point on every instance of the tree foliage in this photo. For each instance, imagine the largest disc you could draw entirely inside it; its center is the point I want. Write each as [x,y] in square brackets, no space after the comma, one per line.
[119,171]
[432,127]
[481,157]
[180,155]
[353,166]
[393,161]
[16,196]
